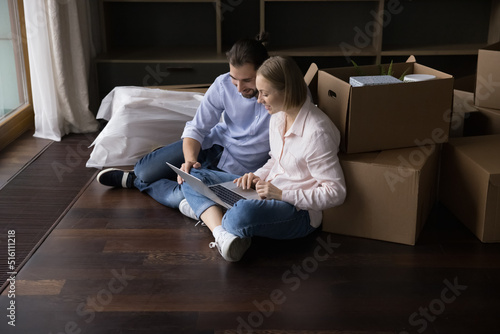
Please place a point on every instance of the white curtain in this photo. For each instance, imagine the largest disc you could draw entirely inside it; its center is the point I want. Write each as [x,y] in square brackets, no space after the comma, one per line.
[60,49]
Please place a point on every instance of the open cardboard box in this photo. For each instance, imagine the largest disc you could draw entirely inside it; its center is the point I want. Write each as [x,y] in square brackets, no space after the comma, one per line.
[487,92]
[383,117]
[390,194]
[470,183]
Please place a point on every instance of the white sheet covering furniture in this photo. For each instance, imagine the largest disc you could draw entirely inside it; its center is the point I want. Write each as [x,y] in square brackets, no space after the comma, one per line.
[139,120]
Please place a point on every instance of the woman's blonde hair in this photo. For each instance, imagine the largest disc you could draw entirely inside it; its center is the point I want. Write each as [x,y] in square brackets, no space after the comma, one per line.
[285,75]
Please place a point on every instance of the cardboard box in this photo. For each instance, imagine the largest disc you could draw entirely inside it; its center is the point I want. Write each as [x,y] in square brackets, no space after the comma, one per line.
[463,109]
[470,183]
[389,194]
[487,93]
[384,117]
[470,120]
[483,122]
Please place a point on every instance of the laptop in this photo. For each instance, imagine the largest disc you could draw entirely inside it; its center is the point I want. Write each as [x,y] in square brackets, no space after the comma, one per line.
[224,194]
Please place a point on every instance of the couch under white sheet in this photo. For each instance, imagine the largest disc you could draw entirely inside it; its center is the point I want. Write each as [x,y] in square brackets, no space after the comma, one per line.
[139,120]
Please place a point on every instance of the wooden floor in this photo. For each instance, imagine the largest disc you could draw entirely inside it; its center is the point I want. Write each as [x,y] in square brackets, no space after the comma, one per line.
[118,262]
[15,157]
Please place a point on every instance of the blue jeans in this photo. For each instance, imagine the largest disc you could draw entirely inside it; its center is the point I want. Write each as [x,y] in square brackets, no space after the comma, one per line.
[247,218]
[155,178]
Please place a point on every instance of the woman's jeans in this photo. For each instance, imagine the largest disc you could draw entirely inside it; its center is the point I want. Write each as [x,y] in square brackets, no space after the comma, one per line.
[247,218]
[155,178]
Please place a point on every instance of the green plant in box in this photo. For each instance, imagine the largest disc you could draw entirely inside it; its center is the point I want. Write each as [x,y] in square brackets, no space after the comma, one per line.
[389,71]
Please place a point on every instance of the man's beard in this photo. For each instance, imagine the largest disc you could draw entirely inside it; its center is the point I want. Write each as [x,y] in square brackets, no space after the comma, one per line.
[250,93]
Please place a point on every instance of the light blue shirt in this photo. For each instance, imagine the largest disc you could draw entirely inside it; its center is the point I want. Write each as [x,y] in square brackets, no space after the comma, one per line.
[239,124]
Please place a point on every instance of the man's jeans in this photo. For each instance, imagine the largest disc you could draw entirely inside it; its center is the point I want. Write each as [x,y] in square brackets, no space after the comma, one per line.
[247,218]
[155,178]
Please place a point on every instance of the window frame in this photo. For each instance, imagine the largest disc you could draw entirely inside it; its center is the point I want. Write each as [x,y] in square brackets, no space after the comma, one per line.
[23,118]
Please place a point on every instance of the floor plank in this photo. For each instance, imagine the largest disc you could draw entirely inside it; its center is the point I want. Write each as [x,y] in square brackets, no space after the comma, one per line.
[20,153]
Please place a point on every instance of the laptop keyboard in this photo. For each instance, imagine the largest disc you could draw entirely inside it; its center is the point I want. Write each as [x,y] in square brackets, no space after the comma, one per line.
[226,195]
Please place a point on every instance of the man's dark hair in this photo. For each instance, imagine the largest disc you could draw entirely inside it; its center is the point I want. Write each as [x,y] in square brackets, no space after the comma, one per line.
[248,50]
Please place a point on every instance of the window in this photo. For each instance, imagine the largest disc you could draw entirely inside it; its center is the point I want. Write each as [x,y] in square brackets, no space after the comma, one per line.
[16,112]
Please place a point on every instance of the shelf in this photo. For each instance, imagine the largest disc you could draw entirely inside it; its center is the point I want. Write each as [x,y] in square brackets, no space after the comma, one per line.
[114,73]
[160,23]
[441,50]
[319,0]
[445,27]
[320,51]
[332,30]
[163,55]
[160,0]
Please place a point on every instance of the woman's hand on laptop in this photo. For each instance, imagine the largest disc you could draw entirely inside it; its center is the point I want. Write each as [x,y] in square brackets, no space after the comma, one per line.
[186,167]
[247,181]
[267,190]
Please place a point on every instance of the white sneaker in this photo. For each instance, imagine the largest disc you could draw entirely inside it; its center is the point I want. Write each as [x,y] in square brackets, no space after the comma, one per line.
[186,210]
[231,247]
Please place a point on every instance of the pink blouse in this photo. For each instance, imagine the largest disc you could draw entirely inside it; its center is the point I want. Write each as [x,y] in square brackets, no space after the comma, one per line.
[304,162]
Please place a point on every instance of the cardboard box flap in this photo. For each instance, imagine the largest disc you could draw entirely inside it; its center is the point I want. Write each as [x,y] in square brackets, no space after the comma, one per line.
[411,59]
[311,79]
[333,99]
[311,74]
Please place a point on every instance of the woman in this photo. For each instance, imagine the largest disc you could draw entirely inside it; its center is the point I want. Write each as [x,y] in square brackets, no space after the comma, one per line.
[302,177]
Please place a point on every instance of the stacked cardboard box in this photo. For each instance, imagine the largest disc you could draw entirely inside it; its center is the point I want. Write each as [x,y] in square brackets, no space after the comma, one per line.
[487,93]
[390,148]
[470,183]
[470,172]
[476,111]
[470,120]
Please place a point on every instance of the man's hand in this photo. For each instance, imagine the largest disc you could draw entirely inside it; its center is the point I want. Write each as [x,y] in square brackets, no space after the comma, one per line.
[186,167]
[190,148]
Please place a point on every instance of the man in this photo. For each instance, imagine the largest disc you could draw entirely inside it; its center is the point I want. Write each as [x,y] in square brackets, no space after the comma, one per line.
[229,132]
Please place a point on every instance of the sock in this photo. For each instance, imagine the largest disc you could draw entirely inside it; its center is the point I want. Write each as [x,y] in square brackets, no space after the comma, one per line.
[217,231]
